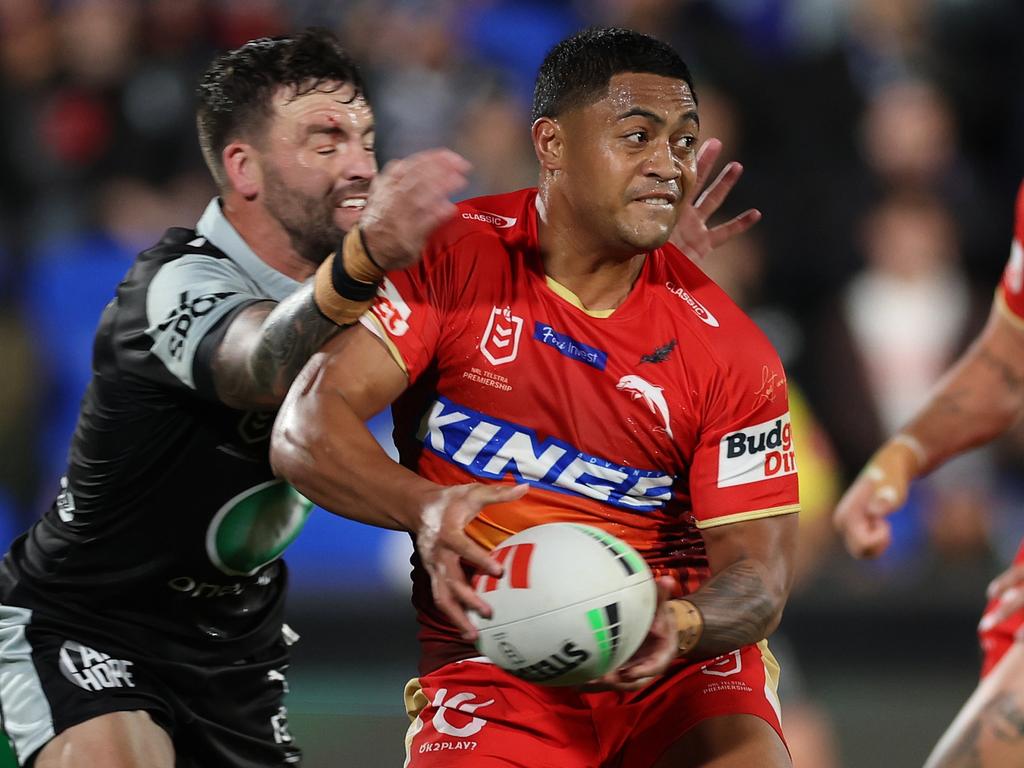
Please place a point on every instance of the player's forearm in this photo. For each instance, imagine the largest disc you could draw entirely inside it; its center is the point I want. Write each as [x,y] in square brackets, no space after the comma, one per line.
[738,606]
[325,451]
[260,358]
[978,400]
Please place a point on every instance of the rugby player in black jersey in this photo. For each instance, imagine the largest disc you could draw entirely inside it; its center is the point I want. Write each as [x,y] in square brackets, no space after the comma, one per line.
[141,616]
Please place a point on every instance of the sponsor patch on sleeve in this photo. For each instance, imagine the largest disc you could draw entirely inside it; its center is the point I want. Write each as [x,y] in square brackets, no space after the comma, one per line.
[391,309]
[756,453]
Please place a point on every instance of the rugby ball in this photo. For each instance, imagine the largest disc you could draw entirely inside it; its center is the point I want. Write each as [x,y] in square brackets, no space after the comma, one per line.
[574,603]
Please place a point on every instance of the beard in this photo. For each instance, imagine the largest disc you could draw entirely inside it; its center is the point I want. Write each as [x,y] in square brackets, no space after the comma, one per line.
[308,220]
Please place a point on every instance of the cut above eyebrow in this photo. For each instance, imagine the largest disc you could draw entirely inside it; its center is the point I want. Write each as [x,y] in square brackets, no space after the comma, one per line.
[655,118]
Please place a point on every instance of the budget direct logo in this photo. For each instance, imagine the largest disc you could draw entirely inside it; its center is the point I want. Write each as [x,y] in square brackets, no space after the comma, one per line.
[757,453]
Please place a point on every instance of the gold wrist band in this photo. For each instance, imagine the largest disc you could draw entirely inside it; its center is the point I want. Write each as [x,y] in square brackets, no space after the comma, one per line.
[690,623]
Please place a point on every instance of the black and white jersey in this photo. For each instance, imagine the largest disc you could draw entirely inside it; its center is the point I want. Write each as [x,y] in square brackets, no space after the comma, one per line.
[168,526]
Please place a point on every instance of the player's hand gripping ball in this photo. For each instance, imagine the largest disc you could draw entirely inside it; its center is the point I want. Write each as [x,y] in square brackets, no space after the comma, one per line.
[574,603]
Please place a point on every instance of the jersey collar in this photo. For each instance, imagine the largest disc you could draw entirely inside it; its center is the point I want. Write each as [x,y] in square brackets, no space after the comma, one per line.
[214,226]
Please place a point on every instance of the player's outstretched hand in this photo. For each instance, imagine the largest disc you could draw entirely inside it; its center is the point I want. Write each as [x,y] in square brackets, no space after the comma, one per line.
[653,656]
[692,235]
[879,490]
[1007,590]
[442,543]
[408,200]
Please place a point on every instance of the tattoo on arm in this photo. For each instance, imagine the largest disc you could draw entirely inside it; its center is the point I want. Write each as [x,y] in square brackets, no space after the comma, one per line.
[288,337]
[738,609]
[1012,379]
[999,726]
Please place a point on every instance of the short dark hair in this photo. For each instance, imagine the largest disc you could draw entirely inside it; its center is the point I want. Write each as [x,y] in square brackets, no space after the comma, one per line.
[577,71]
[234,94]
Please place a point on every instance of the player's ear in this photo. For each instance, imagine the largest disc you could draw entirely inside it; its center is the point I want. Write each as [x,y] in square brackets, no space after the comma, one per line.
[548,143]
[242,169]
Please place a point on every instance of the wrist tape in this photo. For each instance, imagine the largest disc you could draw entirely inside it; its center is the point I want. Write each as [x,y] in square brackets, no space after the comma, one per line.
[346,283]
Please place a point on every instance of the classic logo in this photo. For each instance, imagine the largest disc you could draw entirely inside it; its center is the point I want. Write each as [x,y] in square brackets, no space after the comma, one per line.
[254,528]
[500,342]
[463,704]
[517,576]
[641,389]
[756,453]
[501,222]
[1015,268]
[92,670]
[180,318]
[698,309]
[569,347]
[726,665]
[495,449]
[391,309]
[660,355]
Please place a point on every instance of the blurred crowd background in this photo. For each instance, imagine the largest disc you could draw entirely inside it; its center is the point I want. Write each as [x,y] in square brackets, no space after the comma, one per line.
[882,139]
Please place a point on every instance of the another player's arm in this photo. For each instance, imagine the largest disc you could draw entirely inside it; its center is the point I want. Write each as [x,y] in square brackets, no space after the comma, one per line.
[752,571]
[266,345]
[977,400]
[322,447]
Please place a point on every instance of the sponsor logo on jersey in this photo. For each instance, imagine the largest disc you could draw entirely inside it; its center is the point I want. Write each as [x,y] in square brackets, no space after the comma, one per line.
[660,355]
[1015,268]
[771,383]
[65,503]
[391,309]
[496,449]
[651,395]
[93,670]
[500,342]
[181,317]
[757,453]
[569,347]
[453,710]
[698,309]
[499,221]
[254,527]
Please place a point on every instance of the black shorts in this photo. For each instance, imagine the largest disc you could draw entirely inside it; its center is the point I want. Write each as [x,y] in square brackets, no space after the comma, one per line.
[225,716]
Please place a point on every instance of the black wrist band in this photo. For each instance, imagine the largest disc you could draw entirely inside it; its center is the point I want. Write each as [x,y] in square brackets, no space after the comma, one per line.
[369,255]
[347,286]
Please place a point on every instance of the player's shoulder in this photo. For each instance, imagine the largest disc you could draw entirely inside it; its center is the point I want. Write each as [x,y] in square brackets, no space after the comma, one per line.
[495,220]
[698,302]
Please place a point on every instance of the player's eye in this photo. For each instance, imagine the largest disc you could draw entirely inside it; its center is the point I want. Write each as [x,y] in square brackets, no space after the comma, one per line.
[636,137]
[328,150]
[686,142]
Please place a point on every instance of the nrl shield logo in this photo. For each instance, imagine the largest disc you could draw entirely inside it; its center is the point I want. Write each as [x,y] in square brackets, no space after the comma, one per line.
[500,342]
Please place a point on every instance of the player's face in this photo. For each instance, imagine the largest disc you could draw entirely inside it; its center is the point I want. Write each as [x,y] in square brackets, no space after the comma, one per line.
[631,157]
[318,161]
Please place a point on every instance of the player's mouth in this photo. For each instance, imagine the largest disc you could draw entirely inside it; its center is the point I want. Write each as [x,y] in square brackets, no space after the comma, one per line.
[658,199]
[355,202]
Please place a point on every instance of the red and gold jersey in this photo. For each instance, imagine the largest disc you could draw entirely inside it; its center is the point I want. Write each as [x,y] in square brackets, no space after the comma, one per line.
[654,420]
[1011,290]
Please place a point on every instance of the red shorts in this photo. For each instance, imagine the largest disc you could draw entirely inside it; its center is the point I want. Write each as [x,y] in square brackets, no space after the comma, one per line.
[472,713]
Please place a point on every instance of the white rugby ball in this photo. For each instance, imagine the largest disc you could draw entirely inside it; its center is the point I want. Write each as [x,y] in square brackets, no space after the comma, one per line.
[574,603]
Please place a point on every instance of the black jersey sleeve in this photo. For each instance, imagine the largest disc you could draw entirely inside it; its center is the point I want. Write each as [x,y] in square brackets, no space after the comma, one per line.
[166,315]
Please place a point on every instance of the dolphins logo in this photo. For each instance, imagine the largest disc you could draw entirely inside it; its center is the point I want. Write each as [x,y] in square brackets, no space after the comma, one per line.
[638,388]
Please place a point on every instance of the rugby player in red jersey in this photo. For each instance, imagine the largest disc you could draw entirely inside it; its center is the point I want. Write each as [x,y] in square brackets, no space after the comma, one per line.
[980,398]
[553,340]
